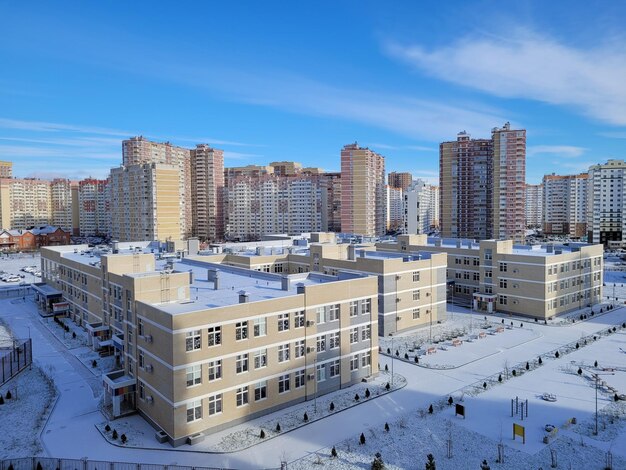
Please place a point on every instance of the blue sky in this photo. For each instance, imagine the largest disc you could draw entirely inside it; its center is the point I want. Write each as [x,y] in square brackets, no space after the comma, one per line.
[293,80]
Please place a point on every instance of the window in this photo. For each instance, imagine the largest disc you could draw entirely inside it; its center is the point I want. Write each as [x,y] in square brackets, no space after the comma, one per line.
[354,308]
[321,343]
[284,384]
[298,319]
[260,358]
[242,363]
[241,330]
[242,396]
[503,283]
[142,390]
[298,349]
[320,370]
[260,326]
[194,375]
[416,313]
[194,411]
[503,267]
[502,299]
[299,378]
[333,312]
[140,327]
[193,341]
[366,332]
[283,322]
[416,276]
[366,359]
[141,359]
[366,306]
[354,362]
[215,335]
[283,353]
[416,295]
[333,340]
[215,404]
[354,335]
[260,391]
[321,315]
[335,368]
[476,276]
[215,369]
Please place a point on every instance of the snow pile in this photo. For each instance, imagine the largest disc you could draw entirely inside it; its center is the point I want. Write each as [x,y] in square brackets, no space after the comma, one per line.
[23,415]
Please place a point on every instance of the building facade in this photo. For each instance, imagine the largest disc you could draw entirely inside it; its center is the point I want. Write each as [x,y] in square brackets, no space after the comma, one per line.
[61,203]
[395,208]
[145,202]
[362,191]
[207,192]
[202,345]
[534,281]
[94,201]
[606,209]
[420,206]
[534,205]
[6,169]
[483,186]
[565,205]
[33,239]
[400,180]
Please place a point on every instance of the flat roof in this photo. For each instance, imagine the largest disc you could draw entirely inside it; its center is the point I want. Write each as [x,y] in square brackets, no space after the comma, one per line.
[412,256]
[257,285]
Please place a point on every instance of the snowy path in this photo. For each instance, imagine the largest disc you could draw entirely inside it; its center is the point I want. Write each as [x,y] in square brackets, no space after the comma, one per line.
[71,430]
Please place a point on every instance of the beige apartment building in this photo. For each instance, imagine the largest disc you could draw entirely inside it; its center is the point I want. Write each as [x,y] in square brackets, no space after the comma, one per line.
[362,191]
[6,169]
[534,205]
[139,150]
[203,344]
[145,202]
[207,192]
[565,205]
[400,180]
[496,275]
[94,202]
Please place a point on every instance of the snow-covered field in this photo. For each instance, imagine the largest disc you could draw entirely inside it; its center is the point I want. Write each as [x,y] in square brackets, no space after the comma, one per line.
[23,415]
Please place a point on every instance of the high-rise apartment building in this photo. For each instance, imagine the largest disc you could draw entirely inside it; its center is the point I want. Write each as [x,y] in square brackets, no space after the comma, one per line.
[420,208]
[362,191]
[331,202]
[434,204]
[482,184]
[25,203]
[61,204]
[6,169]
[139,150]
[400,180]
[207,192]
[606,210]
[145,202]
[534,205]
[95,206]
[270,204]
[565,205]
[395,208]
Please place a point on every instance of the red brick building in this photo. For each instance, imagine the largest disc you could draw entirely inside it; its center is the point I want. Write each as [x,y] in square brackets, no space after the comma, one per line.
[33,239]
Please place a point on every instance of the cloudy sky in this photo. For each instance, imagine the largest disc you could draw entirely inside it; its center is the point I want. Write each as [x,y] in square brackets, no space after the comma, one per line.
[293,80]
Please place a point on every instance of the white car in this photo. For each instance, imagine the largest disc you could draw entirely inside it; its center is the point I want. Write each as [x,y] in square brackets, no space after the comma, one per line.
[13,279]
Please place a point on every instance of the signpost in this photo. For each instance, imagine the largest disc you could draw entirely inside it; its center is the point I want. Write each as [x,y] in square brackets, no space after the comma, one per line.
[459,410]
[519,430]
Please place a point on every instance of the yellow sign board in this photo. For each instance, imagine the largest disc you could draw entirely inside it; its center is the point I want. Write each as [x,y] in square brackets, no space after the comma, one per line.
[519,430]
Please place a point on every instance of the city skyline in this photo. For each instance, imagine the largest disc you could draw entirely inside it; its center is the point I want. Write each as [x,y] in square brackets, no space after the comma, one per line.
[266,89]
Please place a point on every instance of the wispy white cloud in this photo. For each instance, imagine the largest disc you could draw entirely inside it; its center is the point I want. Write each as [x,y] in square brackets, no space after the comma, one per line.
[530,65]
[614,134]
[578,167]
[11,152]
[40,126]
[228,155]
[566,151]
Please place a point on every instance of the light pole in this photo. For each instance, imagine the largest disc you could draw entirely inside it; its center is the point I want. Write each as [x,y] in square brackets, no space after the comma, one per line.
[597,377]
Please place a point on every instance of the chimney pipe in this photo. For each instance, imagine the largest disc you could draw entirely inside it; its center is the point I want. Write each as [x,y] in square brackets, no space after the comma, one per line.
[284,283]
[351,252]
[243,297]
[300,288]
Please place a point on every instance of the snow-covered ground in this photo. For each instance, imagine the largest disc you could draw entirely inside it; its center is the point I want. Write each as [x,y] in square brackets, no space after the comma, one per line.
[25,404]
[71,431]
[15,262]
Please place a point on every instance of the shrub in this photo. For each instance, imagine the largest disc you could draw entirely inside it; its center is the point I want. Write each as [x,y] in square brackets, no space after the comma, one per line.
[514,372]
[123,438]
[397,353]
[8,395]
[114,435]
[107,428]
[306,417]
[417,360]
[450,401]
[387,387]
[485,466]
[406,356]
[333,453]
[356,397]
[577,345]
[377,463]
[74,334]
[94,363]
[362,439]
[277,427]
[580,371]
[556,354]
[262,435]
[1,400]
[485,385]
[616,397]
[540,361]
[386,368]
[527,366]
[10,467]
[430,409]
[367,393]
[388,351]
[387,427]
[430,462]
[500,378]
[39,467]
[332,406]
[595,364]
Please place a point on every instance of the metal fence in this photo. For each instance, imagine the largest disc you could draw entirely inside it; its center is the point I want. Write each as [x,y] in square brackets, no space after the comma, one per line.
[15,359]
[47,463]
[15,291]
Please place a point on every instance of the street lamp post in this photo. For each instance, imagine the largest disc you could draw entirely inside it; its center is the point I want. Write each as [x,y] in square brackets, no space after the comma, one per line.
[392,354]
[597,377]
